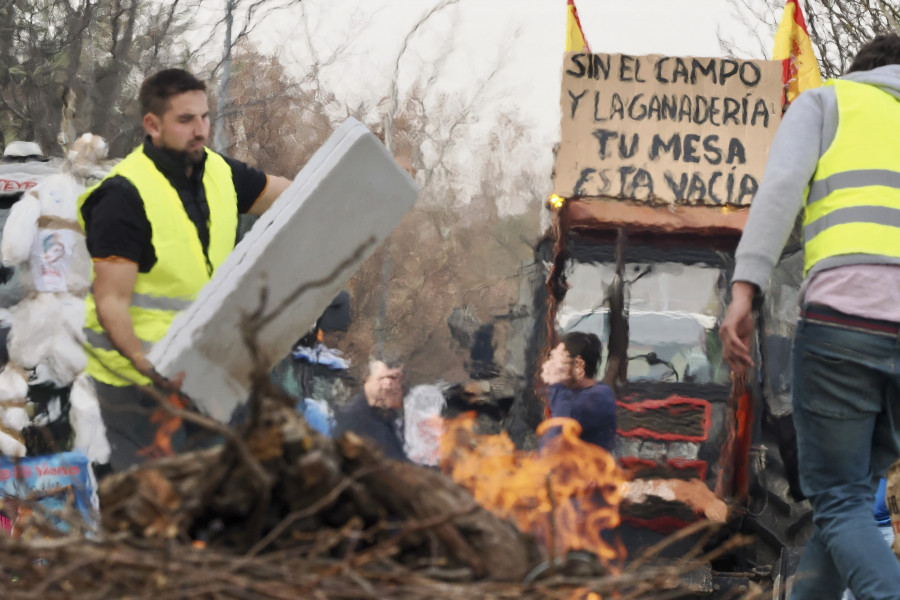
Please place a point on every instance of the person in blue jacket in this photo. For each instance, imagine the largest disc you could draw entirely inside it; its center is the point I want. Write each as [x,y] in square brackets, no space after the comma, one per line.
[575,393]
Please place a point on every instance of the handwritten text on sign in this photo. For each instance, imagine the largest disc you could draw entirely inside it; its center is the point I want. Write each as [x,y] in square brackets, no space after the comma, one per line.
[660,128]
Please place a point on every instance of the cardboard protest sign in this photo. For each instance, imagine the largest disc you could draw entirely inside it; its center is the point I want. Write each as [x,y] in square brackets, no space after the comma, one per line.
[661,129]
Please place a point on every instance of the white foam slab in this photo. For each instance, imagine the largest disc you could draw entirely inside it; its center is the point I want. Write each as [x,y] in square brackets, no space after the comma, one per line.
[349,197]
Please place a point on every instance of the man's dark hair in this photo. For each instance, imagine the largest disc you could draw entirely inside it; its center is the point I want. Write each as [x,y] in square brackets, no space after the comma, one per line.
[389,360]
[585,345]
[883,49]
[158,88]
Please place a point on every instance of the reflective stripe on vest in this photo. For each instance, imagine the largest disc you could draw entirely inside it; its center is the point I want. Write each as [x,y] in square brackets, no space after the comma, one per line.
[853,201]
[181,268]
[159,302]
[874,215]
[862,177]
[100,340]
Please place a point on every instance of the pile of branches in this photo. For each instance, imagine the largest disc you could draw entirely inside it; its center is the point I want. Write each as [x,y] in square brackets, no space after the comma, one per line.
[132,568]
[277,511]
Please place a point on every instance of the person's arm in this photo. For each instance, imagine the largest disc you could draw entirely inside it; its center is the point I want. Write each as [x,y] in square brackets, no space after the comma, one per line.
[807,129]
[112,287]
[802,135]
[274,187]
[737,327]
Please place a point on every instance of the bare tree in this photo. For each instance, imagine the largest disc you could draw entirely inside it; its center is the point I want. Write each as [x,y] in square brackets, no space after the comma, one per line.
[238,21]
[464,243]
[41,45]
[266,125]
[91,52]
[837,28]
[476,218]
[389,119]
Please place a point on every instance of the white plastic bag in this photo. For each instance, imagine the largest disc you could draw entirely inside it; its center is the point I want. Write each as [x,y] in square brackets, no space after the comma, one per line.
[35,321]
[9,446]
[422,423]
[15,418]
[13,385]
[84,415]
[58,197]
[20,230]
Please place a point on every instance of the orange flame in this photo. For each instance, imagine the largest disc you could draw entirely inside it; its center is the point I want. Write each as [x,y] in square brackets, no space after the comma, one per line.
[566,495]
[168,425]
[585,594]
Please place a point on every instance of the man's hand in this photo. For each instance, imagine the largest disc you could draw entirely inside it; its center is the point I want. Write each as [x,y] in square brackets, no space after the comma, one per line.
[156,378]
[558,366]
[737,327]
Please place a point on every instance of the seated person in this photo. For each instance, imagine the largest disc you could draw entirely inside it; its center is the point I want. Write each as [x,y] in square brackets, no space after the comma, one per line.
[574,393]
[376,411]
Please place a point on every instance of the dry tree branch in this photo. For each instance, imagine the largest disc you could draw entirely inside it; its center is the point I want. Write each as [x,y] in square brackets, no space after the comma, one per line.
[314,508]
[389,123]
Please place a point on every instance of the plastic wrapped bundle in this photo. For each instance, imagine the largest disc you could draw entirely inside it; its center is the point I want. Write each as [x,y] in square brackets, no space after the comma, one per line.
[46,336]
[85,161]
[43,240]
[78,274]
[84,415]
[58,197]
[20,230]
[59,263]
[423,424]
[15,418]
[10,446]
[65,358]
[35,321]
[13,385]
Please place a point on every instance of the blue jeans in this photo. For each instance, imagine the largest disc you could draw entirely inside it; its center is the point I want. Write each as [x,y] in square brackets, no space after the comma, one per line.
[888,534]
[847,412]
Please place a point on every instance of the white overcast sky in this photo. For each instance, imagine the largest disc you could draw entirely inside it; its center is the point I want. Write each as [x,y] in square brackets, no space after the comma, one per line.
[526,36]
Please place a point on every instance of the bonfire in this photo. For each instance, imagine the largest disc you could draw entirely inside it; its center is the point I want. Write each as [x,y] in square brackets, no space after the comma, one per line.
[279,511]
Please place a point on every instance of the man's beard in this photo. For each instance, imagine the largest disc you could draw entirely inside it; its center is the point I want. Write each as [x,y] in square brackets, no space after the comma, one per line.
[187,157]
[387,414]
[195,156]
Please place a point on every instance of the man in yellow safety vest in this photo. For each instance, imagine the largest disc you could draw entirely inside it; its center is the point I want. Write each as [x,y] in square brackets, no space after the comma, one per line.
[837,156]
[157,228]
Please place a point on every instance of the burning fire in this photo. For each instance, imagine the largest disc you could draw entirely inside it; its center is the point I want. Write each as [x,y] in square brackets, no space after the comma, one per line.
[566,495]
[168,425]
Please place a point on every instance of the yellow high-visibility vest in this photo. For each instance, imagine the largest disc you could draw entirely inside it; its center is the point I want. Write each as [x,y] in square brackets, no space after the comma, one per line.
[181,269]
[852,211]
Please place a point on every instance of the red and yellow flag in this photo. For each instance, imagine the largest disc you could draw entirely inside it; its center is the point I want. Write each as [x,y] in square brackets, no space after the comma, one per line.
[794,48]
[575,41]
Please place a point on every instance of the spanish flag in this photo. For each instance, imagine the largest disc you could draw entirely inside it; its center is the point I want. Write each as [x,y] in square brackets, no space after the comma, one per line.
[794,48]
[575,41]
